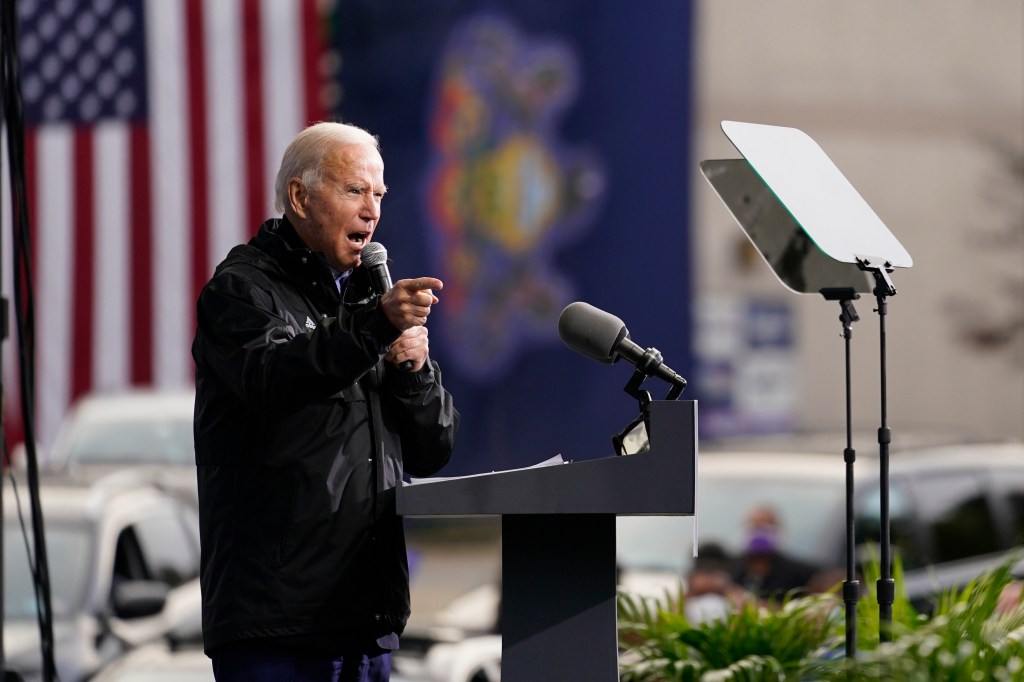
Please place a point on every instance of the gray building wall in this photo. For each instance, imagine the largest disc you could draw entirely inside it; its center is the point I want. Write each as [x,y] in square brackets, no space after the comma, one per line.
[920,105]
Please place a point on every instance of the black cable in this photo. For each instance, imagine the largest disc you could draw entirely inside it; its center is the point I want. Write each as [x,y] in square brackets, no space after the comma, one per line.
[24,314]
[24,530]
[5,452]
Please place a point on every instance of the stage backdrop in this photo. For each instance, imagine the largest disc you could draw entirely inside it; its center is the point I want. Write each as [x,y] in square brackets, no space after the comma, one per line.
[536,153]
[153,132]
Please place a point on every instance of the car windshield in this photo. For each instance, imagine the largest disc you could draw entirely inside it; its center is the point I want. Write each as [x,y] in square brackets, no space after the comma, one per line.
[804,509]
[68,553]
[154,440]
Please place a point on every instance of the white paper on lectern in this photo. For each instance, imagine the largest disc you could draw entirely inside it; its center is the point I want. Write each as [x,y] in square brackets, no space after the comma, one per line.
[816,193]
[550,461]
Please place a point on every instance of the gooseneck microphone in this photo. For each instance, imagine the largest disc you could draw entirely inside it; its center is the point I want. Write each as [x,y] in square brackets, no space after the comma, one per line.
[603,337]
[374,258]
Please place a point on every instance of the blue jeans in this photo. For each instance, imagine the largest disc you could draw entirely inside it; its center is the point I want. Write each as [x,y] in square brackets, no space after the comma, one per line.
[247,665]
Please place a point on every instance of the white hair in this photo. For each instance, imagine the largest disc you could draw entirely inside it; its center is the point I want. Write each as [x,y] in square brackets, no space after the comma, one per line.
[304,157]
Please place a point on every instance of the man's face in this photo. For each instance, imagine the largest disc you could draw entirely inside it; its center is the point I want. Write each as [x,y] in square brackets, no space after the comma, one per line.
[340,216]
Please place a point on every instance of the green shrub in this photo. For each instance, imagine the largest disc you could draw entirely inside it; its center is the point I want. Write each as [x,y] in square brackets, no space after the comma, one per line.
[753,644]
[970,637]
[967,638]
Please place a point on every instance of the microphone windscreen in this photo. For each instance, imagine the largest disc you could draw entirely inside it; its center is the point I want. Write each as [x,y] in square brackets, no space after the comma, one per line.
[373,254]
[591,331]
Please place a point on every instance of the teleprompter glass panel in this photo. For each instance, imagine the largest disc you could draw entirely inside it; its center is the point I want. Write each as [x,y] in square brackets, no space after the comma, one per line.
[816,193]
[794,258]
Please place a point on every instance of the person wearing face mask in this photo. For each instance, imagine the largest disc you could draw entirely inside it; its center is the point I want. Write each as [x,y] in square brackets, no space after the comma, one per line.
[764,568]
[314,395]
[711,593]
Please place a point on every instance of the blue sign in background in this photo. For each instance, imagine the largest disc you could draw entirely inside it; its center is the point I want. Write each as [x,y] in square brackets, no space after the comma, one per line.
[536,153]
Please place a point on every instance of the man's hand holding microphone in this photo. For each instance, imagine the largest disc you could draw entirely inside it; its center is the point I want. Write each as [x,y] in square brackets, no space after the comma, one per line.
[407,305]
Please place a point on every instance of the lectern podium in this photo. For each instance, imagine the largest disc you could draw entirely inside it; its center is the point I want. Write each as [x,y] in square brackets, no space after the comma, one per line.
[558,543]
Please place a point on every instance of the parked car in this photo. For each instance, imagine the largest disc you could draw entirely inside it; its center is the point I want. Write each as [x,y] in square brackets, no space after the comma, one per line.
[134,428]
[161,662]
[955,510]
[474,659]
[158,662]
[123,558]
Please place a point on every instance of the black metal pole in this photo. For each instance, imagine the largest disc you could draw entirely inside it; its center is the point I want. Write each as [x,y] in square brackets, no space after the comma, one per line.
[13,118]
[886,585]
[851,586]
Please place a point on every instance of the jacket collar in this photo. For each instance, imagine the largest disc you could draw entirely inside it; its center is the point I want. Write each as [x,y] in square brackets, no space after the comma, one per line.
[277,238]
[309,269]
[284,229]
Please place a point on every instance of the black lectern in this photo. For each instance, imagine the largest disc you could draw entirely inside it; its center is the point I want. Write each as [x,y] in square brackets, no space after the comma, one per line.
[558,543]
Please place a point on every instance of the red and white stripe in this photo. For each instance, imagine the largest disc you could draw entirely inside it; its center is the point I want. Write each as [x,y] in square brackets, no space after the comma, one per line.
[129,220]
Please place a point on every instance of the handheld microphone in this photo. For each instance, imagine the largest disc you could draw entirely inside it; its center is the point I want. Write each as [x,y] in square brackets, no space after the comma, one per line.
[374,258]
[603,337]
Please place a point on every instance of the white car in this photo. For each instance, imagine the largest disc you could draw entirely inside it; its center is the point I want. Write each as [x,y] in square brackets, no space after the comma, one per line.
[123,561]
[955,510]
[158,662]
[139,426]
[146,430]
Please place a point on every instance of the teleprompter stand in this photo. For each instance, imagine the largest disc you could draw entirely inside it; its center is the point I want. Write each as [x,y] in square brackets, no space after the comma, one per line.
[813,228]
[886,586]
[558,542]
[851,586]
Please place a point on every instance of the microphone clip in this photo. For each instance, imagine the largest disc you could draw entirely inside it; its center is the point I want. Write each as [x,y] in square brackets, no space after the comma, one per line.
[634,437]
[649,361]
[647,366]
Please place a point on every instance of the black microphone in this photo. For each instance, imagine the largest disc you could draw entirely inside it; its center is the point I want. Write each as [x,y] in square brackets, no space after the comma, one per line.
[603,337]
[374,258]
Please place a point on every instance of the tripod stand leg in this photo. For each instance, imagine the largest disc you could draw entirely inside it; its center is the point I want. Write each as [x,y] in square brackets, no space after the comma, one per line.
[851,586]
[886,586]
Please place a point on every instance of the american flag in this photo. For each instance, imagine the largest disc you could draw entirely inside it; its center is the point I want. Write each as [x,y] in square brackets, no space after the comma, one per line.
[153,133]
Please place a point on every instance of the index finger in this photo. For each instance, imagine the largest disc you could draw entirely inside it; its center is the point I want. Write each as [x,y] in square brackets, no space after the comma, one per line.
[421,283]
